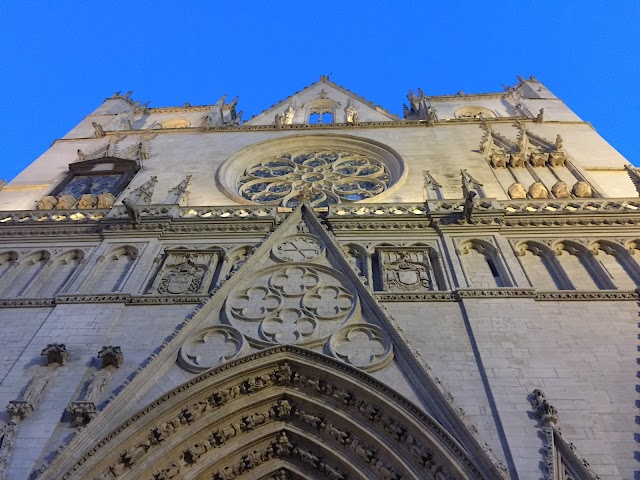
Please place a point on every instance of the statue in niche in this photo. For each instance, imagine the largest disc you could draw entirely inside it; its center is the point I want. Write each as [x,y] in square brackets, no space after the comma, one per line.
[98,129]
[404,270]
[517,192]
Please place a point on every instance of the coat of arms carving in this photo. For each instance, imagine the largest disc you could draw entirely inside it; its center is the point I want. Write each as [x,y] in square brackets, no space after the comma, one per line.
[185,273]
[405,269]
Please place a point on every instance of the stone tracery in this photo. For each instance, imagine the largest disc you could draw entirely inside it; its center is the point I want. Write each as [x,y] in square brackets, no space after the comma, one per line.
[332,175]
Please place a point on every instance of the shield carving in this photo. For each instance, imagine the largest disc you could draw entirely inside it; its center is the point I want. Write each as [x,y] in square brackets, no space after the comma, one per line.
[179,282]
[408,277]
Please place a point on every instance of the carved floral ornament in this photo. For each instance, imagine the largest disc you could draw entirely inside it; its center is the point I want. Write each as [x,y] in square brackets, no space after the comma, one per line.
[270,412]
[322,169]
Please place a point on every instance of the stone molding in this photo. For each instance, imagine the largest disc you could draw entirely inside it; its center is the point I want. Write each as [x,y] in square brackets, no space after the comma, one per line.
[304,397]
[432,296]
[416,297]
[560,459]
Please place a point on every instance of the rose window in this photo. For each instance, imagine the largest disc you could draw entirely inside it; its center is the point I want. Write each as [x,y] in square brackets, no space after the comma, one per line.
[325,176]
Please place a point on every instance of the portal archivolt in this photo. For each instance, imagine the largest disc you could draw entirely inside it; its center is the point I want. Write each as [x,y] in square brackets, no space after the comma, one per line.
[282,413]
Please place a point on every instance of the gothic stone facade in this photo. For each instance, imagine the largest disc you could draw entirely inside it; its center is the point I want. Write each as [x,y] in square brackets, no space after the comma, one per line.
[325,290]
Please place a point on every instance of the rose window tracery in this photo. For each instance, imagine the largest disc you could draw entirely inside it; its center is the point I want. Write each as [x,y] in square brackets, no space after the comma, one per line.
[325,176]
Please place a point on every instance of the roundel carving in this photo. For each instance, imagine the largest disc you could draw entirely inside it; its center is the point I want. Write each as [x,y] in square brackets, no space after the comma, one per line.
[211,346]
[364,346]
[295,304]
[298,248]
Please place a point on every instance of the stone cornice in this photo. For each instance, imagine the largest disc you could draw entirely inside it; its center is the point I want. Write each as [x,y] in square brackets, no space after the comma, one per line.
[125,298]
[318,126]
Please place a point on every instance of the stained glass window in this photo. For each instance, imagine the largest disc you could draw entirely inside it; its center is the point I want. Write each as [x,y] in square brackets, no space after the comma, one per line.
[328,176]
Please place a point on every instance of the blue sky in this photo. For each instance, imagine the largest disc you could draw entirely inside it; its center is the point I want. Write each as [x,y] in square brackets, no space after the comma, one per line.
[60,59]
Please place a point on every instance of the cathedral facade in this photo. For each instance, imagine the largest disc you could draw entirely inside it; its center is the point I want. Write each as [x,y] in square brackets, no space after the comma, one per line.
[325,290]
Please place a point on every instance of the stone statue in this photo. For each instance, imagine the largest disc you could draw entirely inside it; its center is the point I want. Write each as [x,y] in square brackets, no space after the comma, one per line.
[538,191]
[66,202]
[98,129]
[522,141]
[47,203]
[214,116]
[143,151]
[106,200]
[431,116]
[26,403]
[351,115]
[87,201]
[582,190]
[132,210]
[414,102]
[517,192]
[81,155]
[561,190]
[288,115]
[469,203]
[559,144]
[96,384]
[540,116]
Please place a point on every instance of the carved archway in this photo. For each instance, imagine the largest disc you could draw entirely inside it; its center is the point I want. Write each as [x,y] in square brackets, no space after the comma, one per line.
[284,411]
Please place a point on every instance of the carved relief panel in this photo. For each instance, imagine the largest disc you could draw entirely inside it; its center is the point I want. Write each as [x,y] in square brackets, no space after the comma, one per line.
[185,272]
[403,269]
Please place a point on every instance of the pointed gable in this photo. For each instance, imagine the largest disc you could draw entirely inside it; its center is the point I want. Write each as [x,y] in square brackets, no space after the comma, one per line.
[323,96]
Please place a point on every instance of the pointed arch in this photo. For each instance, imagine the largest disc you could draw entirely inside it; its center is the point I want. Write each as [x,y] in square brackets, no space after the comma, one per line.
[581,267]
[541,266]
[483,264]
[283,408]
[62,268]
[29,268]
[617,261]
[117,264]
